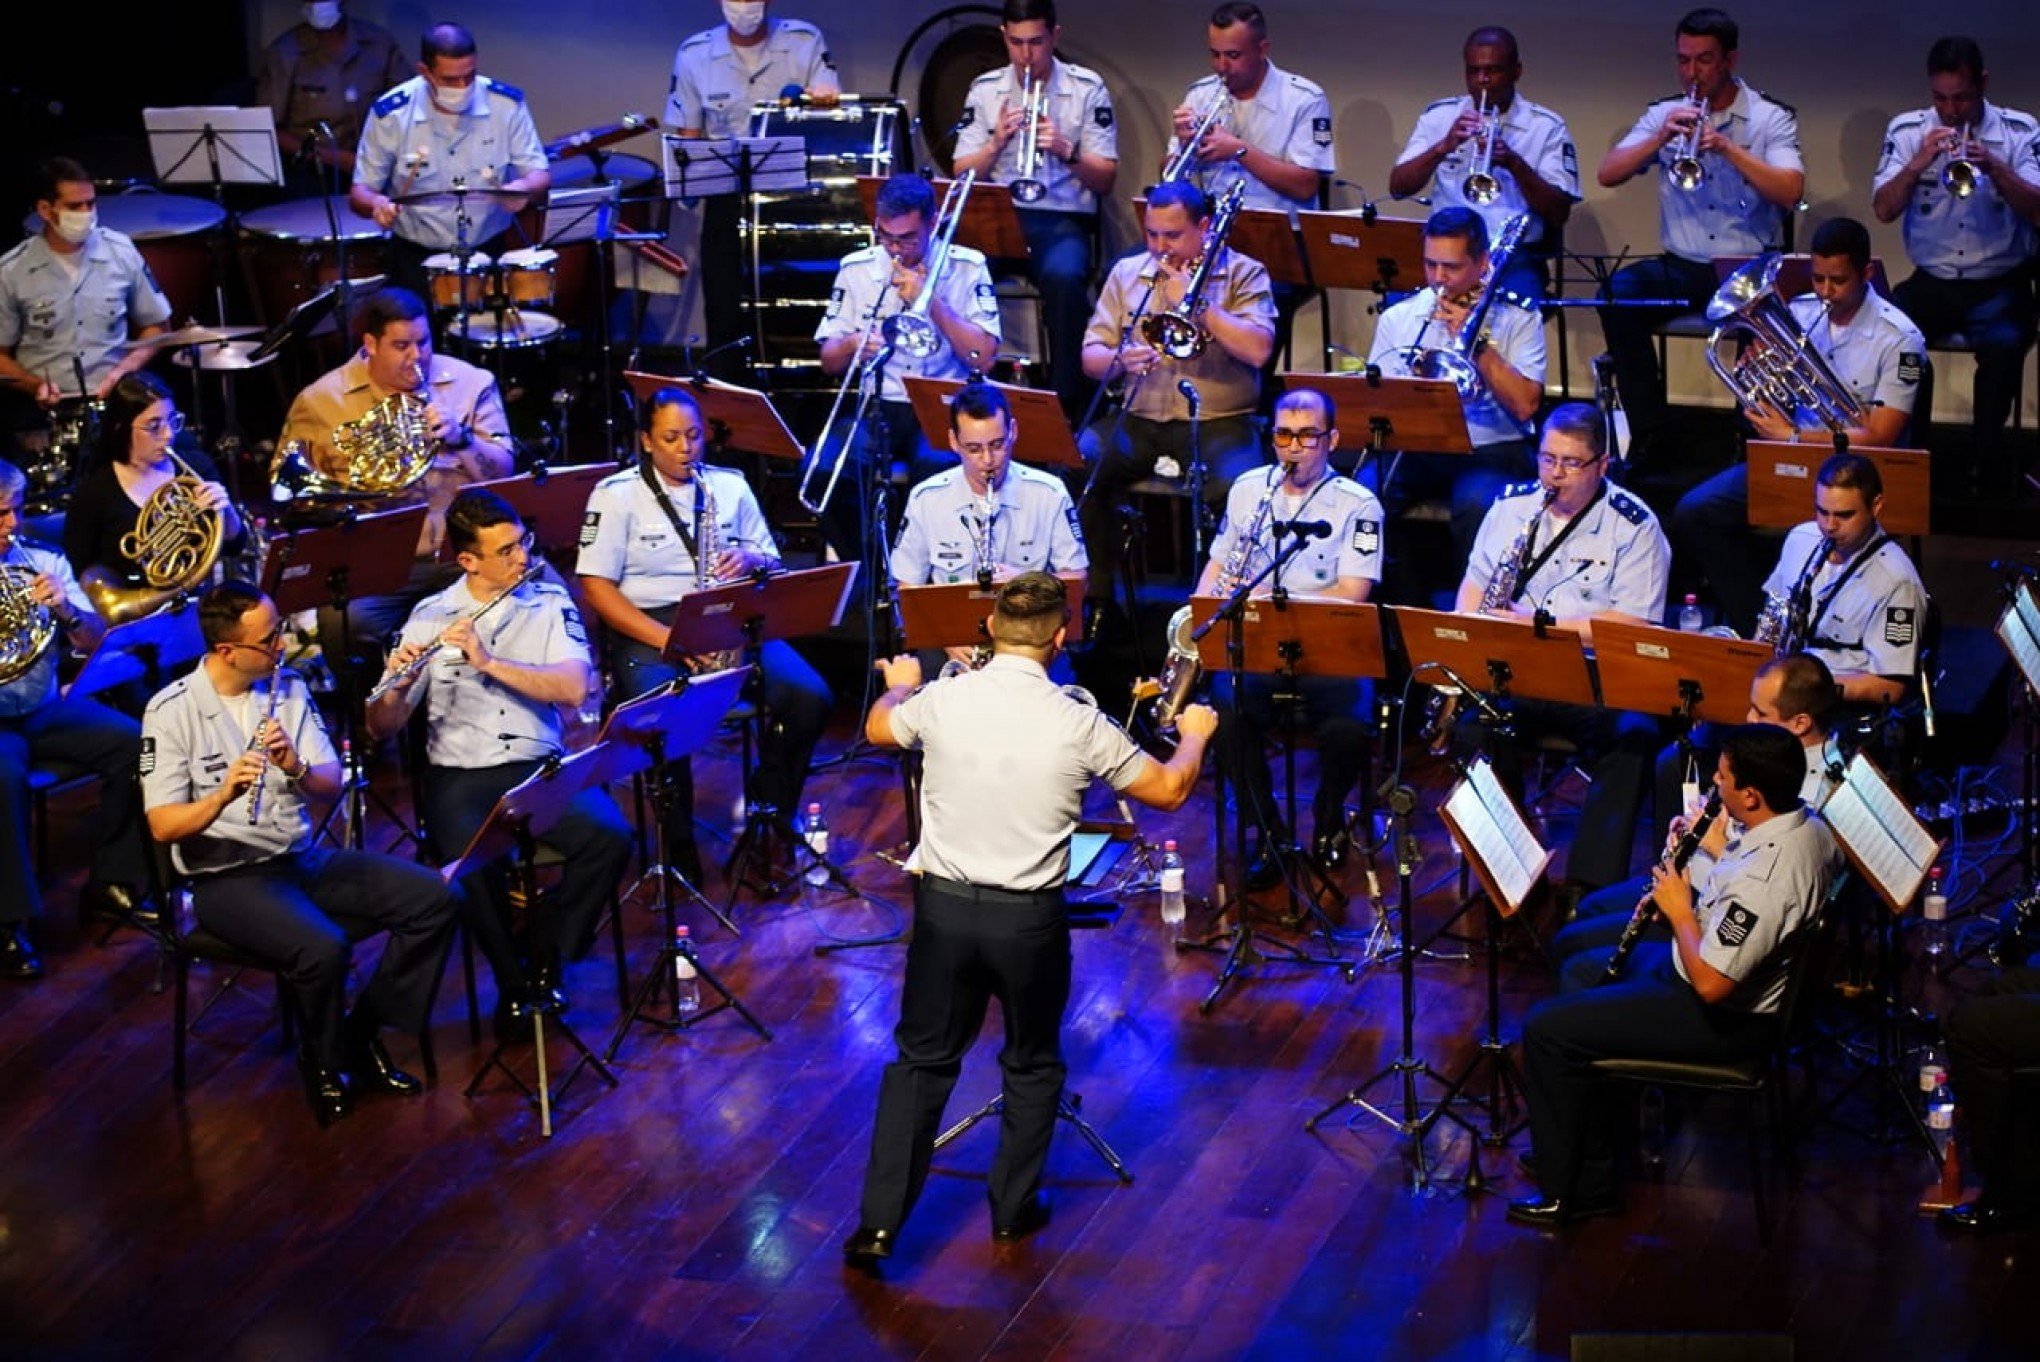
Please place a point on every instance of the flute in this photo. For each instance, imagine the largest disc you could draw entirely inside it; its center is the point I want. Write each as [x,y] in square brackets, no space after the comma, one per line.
[255,743]
[402,678]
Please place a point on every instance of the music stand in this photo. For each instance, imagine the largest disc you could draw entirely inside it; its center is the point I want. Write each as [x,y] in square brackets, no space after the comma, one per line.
[1041,430]
[738,418]
[1362,251]
[668,723]
[550,502]
[953,614]
[1781,484]
[704,167]
[144,650]
[331,565]
[239,145]
[1380,414]
[587,215]
[1515,656]
[1690,677]
[990,222]
[516,824]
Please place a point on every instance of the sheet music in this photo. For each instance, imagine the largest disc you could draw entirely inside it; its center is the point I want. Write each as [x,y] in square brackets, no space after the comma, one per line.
[1496,834]
[1893,846]
[2015,631]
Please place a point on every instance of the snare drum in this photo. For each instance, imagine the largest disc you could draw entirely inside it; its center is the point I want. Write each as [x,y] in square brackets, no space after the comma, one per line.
[449,291]
[175,235]
[295,254]
[512,331]
[527,276]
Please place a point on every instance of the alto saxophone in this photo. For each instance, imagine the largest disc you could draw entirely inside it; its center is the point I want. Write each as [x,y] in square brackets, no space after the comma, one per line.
[707,549]
[1183,669]
[1499,592]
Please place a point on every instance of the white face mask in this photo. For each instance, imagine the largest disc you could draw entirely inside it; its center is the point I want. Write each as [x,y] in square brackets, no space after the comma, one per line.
[322,17]
[455,101]
[74,225]
[745,17]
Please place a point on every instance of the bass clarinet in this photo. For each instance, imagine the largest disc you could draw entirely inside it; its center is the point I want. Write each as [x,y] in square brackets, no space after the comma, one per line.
[1646,908]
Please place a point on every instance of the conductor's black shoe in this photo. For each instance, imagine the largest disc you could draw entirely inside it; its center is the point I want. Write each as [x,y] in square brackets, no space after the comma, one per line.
[1550,1212]
[108,898]
[373,1067]
[1032,1217]
[512,1023]
[1981,1216]
[327,1091]
[868,1246]
[1332,847]
[18,959]
[1264,870]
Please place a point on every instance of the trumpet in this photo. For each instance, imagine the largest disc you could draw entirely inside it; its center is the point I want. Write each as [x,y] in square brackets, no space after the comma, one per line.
[1027,186]
[1687,172]
[1176,333]
[1960,174]
[1185,160]
[403,677]
[1480,185]
[255,744]
[911,329]
[1646,909]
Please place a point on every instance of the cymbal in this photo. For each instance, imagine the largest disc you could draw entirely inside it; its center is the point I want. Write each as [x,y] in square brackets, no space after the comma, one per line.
[226,357]
[455,197]
[197,335]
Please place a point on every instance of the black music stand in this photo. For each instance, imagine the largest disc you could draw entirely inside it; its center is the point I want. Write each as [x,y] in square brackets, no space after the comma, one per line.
[551,501]
[363,555]
[516,825]
[673,721]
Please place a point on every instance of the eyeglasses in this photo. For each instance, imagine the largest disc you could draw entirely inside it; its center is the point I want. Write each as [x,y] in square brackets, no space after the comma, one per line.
[978,451]
[1566,465]
[266,644]
[900,239]
[508,553]
[156,425]
[1308,437]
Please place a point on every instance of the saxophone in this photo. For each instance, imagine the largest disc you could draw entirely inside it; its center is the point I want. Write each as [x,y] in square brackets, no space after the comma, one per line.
[1180,674]
[984,567]
[708,548]
[1784,621]
[1498,593]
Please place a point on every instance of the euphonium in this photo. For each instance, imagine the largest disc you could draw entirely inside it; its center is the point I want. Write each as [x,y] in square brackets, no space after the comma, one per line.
[1687,172]
[175,543]
[911,329]
[1185,160]
[27,627]
[1480,185]
[1183,669]
[1176,333]
[1454,362]
[1027,186]
[1959,176]
[1783,370]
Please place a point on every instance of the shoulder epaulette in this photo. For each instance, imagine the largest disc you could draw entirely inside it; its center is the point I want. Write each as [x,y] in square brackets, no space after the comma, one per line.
[1628,507]
[391,102]
[509,92]
[1522,489]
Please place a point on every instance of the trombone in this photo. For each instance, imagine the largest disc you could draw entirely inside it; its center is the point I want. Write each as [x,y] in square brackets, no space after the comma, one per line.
[1176,333]
[1959,176]
[1687,172]
[1028,186]
[1480,185]
[1185,159]
[911,329]
[861,375]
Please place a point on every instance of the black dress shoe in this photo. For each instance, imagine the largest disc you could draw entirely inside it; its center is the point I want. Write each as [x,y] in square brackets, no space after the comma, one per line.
[1981,1216]
[1264,871]
[1550,1212]
[1331,848]
[868,1246]
[1032,1217]
[330,1097]
[18,959]
[108,898]
[373,1068]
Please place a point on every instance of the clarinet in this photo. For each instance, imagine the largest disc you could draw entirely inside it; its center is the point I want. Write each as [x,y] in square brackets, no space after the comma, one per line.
[1646,908]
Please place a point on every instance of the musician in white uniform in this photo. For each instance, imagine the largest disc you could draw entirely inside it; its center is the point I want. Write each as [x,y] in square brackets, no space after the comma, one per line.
[495,658]
[1590,550]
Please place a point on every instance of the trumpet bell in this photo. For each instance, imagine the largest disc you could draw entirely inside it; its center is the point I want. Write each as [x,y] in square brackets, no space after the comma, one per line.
[1688,174]
[1029,191]
[1959,178]
[1481,189]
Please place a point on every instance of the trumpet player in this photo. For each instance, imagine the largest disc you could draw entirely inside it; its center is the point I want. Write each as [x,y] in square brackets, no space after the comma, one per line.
[1251,122]
[1507,355]
[1044,126]
[1495,151]
[1298,490]
[42,610]
[1236,318]
[1729,171]
[494,659]
[1970,233]
[875,285]
[236,724]
[1879,356]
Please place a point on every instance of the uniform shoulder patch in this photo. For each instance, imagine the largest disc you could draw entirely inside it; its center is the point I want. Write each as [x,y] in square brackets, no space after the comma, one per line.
[509,92]
[1628,507]
[1441,103]
[147,764]
[1901,625]
[1366,536]
[1321,131]
[570,620]
[1521,489]
[1912,365]
[591,528]
[1735,926]
[1102,115]
[1076,524]
[391,102]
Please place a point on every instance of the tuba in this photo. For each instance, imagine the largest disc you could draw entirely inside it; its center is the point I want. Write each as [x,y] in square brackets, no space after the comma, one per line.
[1454,363]
[175,543]
[1176,333]
[911,330]
[1782,369]
[27,628]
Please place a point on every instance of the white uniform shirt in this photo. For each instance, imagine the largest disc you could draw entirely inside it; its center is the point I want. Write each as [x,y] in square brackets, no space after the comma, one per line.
[863,289]
[1724,216]
[1289,118]
[1979,237]
[191,736]
[1880,355]
[1768,881]
[1516,333]
[1007,757]
[474,721]
[1352,550]
[35,687]
[49,314]
[1616,560]
[1032,528]
[1536,133]
[409,147]
[1872,624]
[626,538]
[1080,108]
[713,88]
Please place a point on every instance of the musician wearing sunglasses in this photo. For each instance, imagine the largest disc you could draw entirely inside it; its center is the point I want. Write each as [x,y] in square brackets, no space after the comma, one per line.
[1573,547]
[1342,564]
[43,604]
[494,659]
[1880,359]
[1507,359]
[234,755]
[877,308]
[1729,172]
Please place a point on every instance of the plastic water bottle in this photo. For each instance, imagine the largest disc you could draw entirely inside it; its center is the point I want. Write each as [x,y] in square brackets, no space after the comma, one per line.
[1933,1069]
[1934,915]
[1172,883]
[686,980]
[1690,619]
[1941,1110]
[816,833]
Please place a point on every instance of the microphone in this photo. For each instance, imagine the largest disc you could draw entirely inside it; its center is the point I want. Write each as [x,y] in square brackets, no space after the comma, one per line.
[1480,701]
[700,374]
[1190,395]
[1305,530]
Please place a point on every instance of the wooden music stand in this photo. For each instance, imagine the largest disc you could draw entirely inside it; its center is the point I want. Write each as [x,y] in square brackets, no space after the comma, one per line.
[742,419]
[757,610]
[1268,236]
[1347,250]
[1669,673]
[990,222]
[550,502]
[1383,414]
[953,614]
[1782,474]
[363,555]
[1041,432]
[1331,638]
[1499,654]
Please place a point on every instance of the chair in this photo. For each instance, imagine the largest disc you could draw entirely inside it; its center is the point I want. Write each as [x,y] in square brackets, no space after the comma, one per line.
[1760,1080]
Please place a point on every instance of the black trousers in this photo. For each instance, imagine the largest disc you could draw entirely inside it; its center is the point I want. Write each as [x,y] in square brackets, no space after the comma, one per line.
[1996,316]
[593,839]
[90,735]
[1631,344]
[1332,710]
[1129,446]
[304,912]
[1651,1014]
[1991,1036]
[969,946]
[1711,526]
[1579,949]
